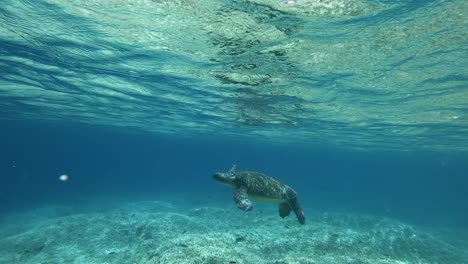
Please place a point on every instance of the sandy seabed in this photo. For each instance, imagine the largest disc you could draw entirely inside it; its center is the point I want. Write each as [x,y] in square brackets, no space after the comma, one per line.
[155,232]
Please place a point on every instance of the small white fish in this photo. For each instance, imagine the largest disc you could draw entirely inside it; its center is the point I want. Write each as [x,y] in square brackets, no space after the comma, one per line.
[63,177]
[291,2]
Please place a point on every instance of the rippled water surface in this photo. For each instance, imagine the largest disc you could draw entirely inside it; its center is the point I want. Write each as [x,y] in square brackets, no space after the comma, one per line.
[349,73]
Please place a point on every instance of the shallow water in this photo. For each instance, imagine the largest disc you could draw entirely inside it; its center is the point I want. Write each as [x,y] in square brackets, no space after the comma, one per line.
[114,115]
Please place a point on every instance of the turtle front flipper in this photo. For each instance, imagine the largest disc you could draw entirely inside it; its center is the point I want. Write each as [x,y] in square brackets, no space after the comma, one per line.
[242,199]
[284,209]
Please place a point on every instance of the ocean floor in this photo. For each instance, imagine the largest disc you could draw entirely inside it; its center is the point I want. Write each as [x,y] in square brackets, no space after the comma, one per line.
[155,232]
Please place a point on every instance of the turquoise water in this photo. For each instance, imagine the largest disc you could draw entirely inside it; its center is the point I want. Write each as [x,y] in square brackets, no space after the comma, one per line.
[347,74]
[360,106]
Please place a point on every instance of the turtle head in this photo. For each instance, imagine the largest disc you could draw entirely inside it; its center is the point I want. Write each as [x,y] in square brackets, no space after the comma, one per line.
[225,178]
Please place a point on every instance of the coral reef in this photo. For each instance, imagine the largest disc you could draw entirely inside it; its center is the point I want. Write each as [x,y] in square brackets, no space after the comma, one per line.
[159,233]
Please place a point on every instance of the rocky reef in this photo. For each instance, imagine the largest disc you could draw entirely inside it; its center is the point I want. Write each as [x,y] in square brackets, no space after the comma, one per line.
[155,232]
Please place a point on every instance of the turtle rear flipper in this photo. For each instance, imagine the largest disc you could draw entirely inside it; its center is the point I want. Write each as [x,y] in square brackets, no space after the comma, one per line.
[242,199]
[284,209]
[297,210]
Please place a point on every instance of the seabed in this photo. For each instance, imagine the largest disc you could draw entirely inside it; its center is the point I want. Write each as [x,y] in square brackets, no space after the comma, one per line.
[156,232]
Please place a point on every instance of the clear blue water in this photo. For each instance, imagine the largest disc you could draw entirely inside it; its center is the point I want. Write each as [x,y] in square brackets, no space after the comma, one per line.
[360,106]
[421,188]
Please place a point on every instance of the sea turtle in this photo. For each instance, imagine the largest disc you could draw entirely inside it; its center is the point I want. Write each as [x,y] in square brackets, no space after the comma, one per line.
[250,185]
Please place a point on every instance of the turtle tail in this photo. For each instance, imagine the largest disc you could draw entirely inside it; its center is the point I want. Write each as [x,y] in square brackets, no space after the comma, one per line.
[297,210]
